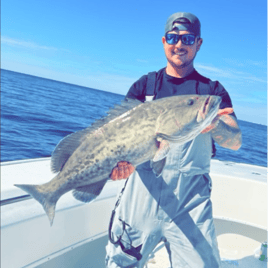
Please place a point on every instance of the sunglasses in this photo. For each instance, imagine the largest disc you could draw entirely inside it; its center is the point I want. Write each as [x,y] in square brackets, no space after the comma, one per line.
[186,39]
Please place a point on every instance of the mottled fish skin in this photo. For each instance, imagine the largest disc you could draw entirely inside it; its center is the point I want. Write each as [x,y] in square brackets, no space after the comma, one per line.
[130,136]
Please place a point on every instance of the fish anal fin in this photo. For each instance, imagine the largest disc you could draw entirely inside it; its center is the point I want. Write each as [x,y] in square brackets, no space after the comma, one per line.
[89,192]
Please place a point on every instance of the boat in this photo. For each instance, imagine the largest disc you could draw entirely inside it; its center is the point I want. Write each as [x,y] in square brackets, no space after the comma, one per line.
[80,231]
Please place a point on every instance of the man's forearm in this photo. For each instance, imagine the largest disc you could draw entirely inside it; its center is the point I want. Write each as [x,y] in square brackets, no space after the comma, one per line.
[227,133]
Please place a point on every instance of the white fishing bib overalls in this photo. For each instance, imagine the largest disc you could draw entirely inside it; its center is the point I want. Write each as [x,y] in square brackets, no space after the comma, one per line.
[174,208]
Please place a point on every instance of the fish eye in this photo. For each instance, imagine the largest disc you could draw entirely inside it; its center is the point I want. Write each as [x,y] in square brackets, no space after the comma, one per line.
[190,102]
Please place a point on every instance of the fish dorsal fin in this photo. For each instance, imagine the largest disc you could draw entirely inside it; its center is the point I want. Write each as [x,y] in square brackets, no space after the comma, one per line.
[116,111]
[70,143]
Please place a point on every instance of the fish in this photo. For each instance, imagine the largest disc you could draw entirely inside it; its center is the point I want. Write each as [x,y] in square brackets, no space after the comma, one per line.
[133,131]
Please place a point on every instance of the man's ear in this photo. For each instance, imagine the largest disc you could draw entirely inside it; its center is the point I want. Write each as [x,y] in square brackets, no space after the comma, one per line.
[199,43]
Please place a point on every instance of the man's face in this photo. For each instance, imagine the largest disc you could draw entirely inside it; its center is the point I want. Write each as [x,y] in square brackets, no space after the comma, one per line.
[180,55]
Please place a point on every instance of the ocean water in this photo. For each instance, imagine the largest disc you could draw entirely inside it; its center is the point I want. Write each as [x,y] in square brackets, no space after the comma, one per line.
[36,113]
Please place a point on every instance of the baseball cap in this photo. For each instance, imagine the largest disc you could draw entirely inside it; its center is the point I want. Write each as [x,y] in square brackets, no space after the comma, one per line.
[183,21]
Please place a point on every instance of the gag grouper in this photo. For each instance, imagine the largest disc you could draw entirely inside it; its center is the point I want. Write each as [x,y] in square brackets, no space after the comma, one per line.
[133,131]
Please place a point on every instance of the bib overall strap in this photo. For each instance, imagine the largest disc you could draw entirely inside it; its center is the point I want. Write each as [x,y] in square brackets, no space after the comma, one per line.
[150,86]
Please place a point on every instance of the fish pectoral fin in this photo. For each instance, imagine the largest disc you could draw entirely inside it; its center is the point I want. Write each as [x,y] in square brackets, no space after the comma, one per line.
[171,138]
[164,148]
[158,166]
[89,192]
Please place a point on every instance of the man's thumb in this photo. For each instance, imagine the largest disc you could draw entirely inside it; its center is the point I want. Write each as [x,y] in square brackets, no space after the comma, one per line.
[225,111]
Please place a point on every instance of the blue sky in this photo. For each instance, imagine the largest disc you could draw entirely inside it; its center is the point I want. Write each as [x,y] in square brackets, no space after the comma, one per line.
[108,45]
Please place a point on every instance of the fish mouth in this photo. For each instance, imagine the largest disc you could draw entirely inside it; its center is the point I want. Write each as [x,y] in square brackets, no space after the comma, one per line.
[210,107]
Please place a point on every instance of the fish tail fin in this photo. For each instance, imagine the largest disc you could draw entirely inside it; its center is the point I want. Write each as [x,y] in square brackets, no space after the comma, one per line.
[44,198]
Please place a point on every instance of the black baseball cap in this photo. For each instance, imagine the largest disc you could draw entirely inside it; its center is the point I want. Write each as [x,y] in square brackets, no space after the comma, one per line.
[183,21]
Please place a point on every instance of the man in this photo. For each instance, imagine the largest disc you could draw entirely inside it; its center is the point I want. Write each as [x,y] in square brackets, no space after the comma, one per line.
[175,207]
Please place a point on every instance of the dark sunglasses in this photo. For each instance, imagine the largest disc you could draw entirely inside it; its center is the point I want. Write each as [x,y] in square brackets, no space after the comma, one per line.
[186,39]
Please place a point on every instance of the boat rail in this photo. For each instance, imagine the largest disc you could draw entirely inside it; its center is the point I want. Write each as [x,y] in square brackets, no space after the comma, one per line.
[15,200]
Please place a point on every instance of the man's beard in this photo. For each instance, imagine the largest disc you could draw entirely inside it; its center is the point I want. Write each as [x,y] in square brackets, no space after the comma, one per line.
[183,65]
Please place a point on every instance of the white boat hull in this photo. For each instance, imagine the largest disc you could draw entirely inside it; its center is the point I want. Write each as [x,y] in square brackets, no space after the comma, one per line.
[79,233]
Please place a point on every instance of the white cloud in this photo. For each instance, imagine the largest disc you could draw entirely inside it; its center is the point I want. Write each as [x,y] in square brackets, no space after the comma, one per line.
[228,73]
[20,43]
[119,84]
[245,62]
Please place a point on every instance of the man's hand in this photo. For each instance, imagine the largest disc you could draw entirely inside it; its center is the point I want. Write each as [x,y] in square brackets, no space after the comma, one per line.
[224,130]
[122,171]
[215,121]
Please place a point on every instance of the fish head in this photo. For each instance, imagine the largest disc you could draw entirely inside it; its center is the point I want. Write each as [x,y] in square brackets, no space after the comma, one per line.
[196,109]
[195,113]
[187,117]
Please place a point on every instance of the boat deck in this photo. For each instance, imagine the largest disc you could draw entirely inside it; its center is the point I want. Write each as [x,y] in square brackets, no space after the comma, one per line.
[79,233]
[242,257]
